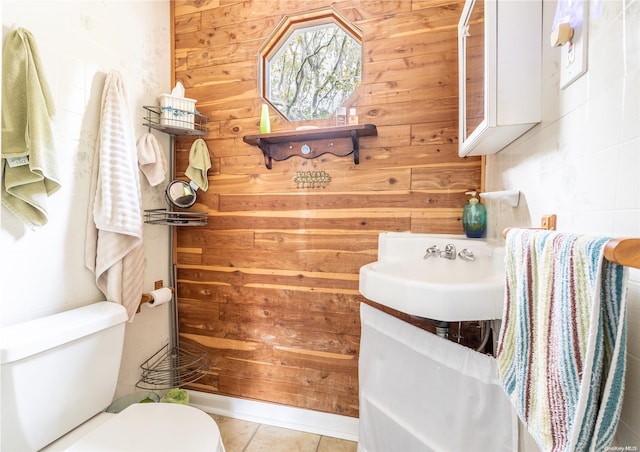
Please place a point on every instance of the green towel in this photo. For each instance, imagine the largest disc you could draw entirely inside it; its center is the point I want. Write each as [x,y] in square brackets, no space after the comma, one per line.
[29,168]
[199,164]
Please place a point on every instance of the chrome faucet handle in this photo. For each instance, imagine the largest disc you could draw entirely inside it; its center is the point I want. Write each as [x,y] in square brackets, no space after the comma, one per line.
[431,251]
[466,255]
[449,252]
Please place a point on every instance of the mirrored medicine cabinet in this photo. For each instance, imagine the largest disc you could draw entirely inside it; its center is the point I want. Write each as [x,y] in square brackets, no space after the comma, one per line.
[499,67]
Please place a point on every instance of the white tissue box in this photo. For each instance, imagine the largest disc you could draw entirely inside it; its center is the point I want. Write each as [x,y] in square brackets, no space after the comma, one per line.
[177,111]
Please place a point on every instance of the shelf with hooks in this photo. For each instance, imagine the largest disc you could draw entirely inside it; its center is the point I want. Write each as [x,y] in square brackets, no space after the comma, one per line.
[340,141]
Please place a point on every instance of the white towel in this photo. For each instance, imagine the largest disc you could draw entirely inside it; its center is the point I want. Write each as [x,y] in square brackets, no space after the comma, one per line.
[114,250]
[151,159]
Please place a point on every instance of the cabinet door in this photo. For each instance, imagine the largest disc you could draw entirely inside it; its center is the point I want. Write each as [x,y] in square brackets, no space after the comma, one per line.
[473,106]
[499,66]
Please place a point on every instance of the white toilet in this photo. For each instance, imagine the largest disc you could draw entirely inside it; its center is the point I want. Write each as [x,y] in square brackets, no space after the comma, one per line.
[60,371]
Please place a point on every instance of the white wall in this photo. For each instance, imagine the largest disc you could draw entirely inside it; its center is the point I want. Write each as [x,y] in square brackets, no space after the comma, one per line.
[583,161]
[43,271]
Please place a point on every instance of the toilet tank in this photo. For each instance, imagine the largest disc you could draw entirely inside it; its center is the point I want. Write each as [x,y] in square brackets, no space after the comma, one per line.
[57,372]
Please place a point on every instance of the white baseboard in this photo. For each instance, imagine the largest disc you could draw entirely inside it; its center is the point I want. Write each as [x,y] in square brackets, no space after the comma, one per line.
[334,425]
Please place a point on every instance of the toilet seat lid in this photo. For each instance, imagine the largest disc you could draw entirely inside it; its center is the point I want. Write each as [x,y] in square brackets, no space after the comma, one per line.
[154,427]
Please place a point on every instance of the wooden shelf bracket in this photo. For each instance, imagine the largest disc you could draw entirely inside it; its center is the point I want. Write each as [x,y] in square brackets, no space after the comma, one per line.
[356,147]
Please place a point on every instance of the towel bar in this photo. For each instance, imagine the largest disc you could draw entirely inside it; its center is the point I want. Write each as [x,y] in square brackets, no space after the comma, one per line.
[621,251]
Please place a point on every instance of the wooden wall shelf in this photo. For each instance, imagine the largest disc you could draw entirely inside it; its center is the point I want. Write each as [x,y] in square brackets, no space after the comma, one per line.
[311,143]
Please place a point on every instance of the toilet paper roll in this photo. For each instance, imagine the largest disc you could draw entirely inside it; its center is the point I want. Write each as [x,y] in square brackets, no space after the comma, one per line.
[160,296]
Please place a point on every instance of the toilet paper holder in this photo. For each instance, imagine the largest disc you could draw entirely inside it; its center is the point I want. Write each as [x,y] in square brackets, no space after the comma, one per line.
[147,297]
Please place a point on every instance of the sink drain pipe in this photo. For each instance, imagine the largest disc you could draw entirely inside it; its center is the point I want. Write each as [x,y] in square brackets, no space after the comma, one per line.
[486,330]
[442,328]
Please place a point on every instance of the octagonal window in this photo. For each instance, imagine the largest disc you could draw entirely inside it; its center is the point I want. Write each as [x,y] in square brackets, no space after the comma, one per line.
[310,65]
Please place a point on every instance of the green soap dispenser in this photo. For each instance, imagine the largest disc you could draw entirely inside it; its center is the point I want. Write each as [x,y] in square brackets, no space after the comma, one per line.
[474,217]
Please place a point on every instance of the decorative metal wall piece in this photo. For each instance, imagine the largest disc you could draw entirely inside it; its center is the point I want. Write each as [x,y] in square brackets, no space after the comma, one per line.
[312,179]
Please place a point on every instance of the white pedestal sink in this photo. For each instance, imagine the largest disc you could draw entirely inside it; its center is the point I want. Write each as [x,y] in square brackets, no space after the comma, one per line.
[437,288]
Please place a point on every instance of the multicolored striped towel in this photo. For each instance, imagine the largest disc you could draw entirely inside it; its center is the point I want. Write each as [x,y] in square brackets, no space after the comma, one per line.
[562,346]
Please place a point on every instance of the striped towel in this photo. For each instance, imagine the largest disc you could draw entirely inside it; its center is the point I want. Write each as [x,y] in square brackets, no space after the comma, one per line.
[561,350]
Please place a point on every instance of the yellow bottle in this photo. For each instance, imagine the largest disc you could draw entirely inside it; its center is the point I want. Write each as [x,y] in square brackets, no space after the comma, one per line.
[265,122]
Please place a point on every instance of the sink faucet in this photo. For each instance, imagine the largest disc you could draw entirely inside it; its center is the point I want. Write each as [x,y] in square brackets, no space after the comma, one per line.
[449,252]
[431,251]
[467,255]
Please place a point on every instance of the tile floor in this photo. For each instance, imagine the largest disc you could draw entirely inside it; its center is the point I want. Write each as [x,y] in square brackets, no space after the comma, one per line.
[245,436]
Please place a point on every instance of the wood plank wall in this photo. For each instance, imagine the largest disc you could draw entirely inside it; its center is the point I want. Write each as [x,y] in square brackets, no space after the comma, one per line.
[270,286]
